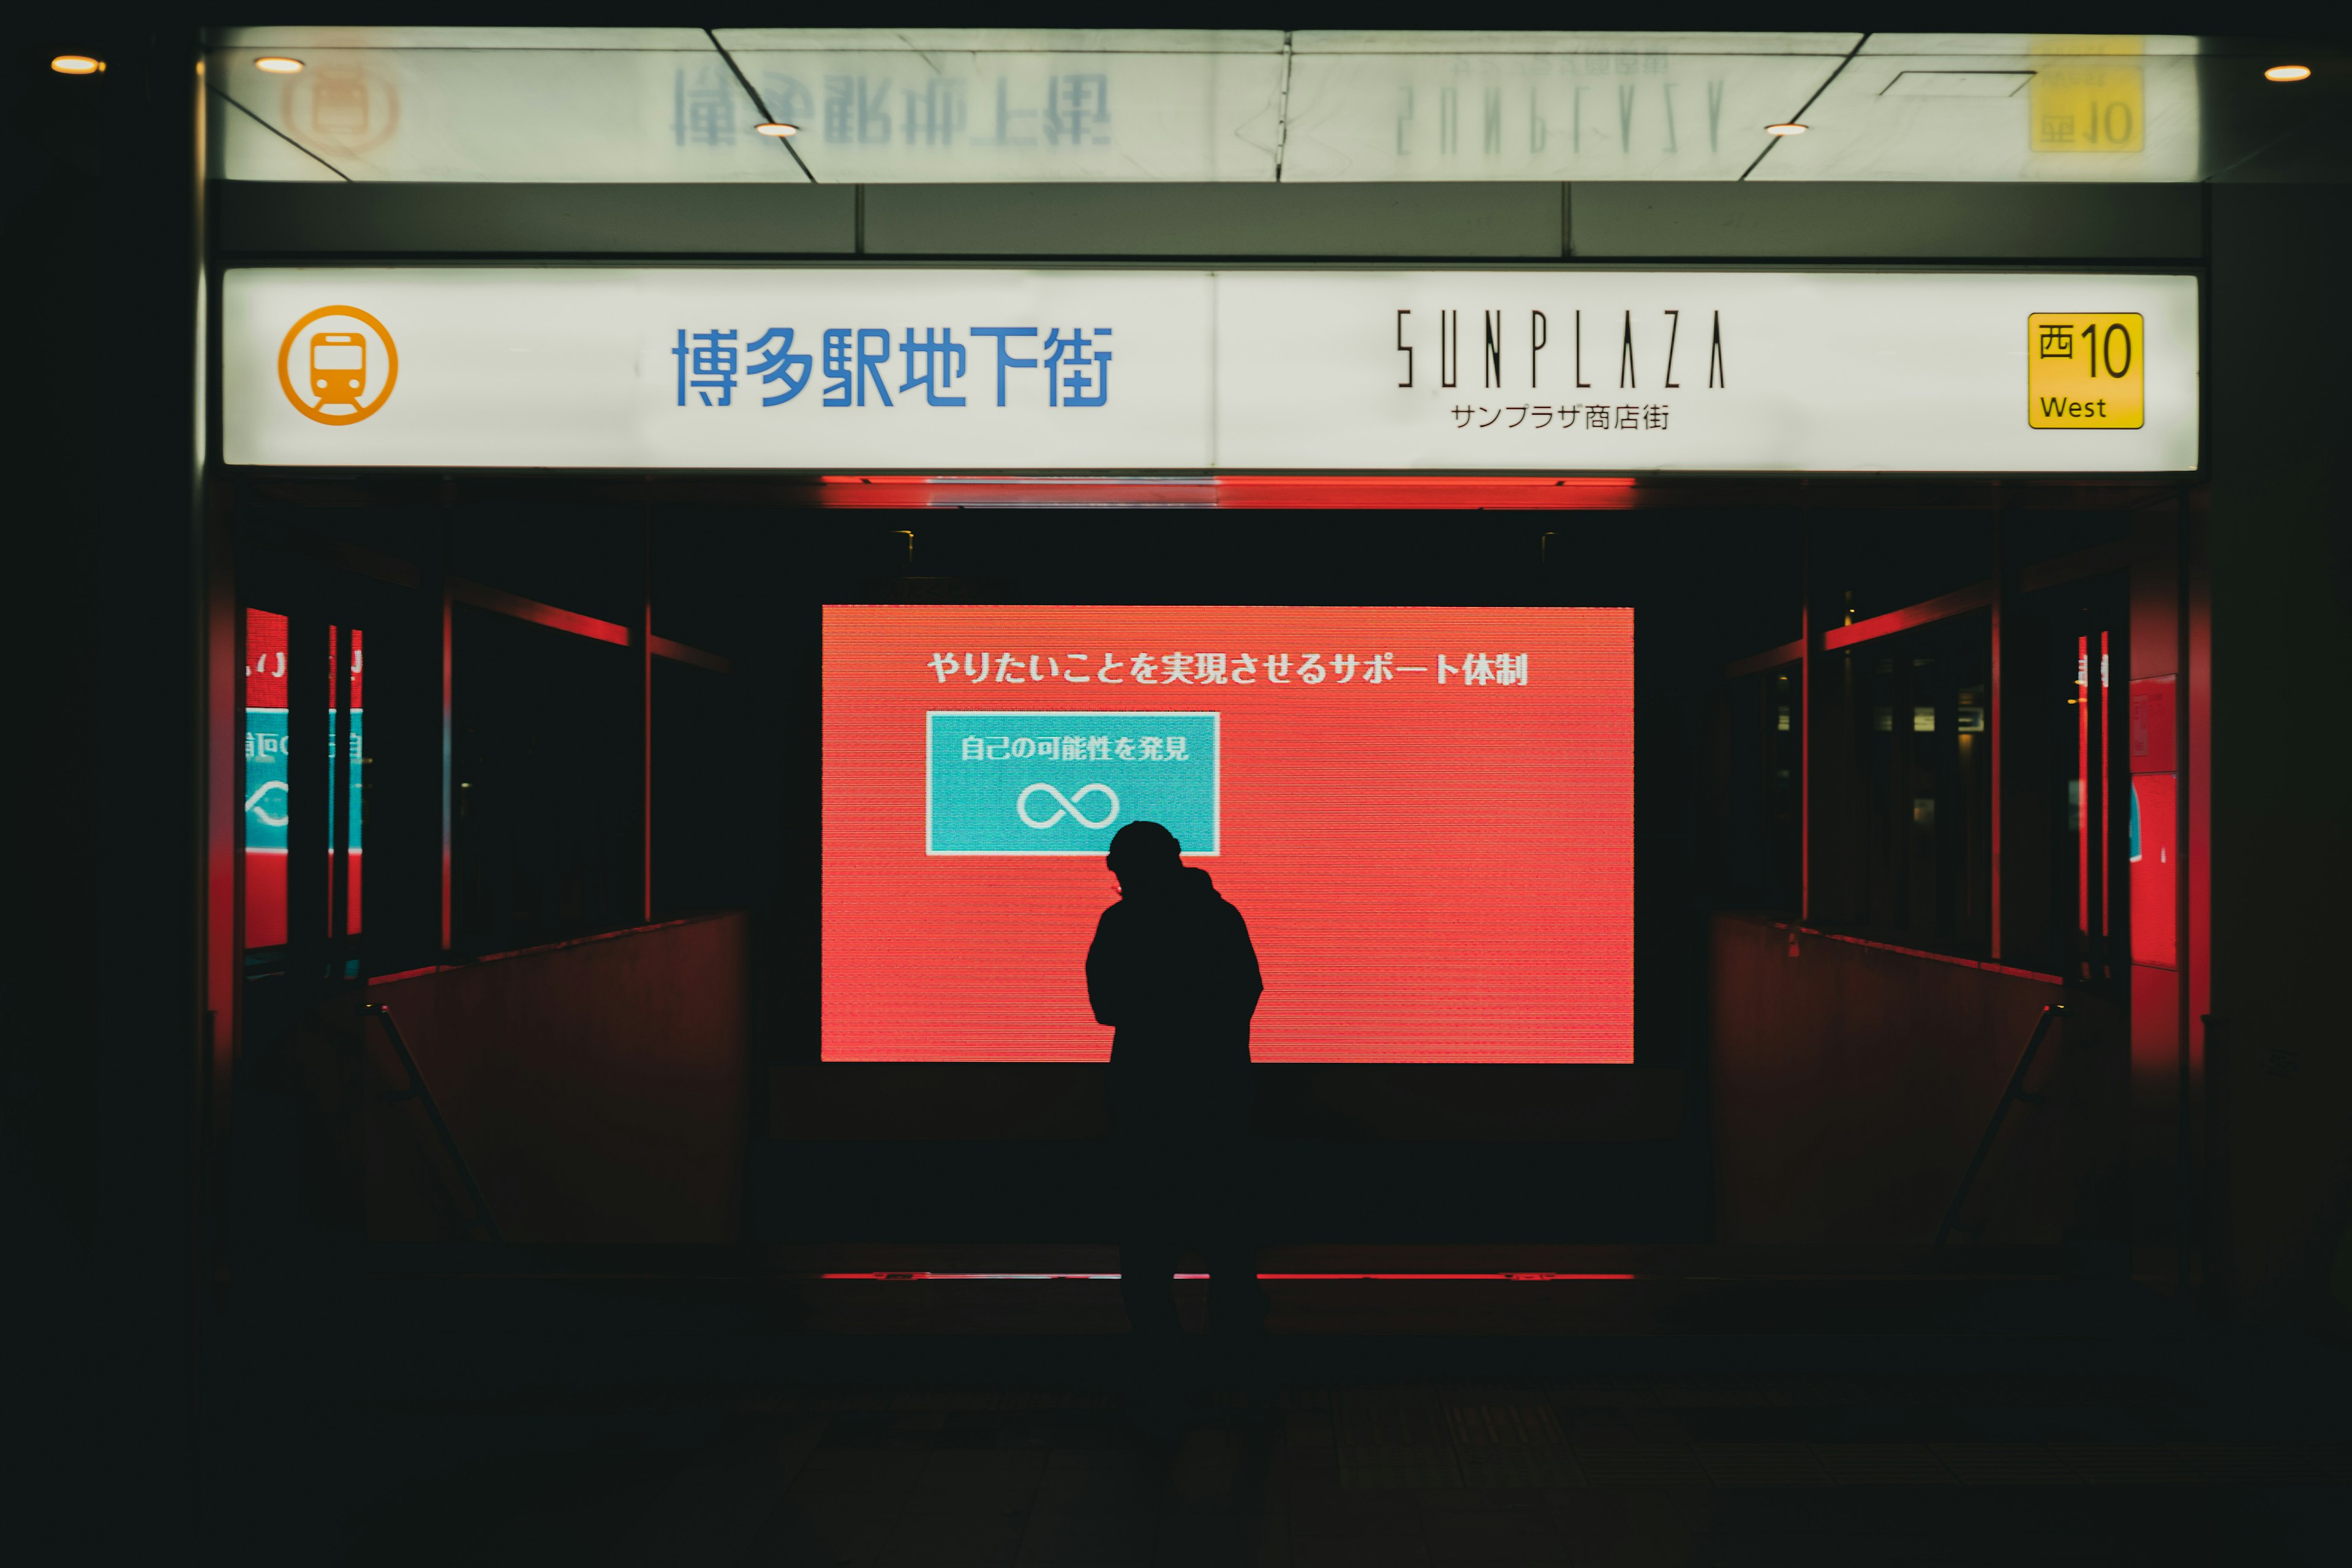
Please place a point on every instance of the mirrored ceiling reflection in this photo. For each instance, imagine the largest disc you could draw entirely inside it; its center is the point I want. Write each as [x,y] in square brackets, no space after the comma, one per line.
[958,115]
[661,105]
[509,114]
[959,105]
[1579,107]
[1912,107]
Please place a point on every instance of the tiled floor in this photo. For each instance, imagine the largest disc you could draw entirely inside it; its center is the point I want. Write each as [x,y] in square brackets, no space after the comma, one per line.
[1697,1468]
[640,1418]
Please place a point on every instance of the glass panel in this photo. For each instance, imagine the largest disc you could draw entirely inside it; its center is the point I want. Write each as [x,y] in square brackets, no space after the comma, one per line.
[547,776]
[1784,785]
[2092,806]
[1905,815]
[269,788]
[1759,827]
[264,779]
[976,104]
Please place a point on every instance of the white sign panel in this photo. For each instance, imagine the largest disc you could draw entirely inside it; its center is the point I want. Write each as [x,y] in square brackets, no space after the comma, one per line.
[960,371]
[1636,372]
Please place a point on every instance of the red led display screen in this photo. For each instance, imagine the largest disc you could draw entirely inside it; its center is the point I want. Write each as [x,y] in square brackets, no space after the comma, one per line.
[1425,815]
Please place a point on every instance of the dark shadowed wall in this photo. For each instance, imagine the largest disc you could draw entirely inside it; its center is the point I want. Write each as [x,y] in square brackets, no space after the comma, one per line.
[1852,1085]
[598,1089]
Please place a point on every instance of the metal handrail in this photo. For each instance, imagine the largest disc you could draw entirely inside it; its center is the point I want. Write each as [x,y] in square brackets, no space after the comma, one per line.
[416,1089]
[2014,1092]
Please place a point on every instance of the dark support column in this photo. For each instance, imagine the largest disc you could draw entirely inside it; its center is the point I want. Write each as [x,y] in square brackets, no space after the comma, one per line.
[310,796]
[221,675]
[109,1092]
[2265,753]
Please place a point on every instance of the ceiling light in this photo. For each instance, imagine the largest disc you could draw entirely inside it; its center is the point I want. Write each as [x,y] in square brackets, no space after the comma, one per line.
[277,65]
[77,64]
[2287,73]
[1787,128]
[776,128]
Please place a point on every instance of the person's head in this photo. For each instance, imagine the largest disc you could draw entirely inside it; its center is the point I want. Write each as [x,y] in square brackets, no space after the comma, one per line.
[1144,855]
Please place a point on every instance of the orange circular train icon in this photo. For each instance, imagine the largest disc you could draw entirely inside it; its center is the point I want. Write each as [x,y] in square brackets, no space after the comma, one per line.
[335,375]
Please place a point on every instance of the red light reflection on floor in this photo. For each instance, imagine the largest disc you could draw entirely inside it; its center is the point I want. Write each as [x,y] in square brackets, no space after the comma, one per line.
[1379,491]
[927,1275]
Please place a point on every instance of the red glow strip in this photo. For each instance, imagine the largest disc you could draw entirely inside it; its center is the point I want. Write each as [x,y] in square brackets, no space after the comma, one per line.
[2082,796]
[1489,481]
[499,600]
[1482,492]
[926,1275]
[527,951]
[1296,491]
[2107,876]
[668,647]
[1806,930]
[1959,602]
[1771,659]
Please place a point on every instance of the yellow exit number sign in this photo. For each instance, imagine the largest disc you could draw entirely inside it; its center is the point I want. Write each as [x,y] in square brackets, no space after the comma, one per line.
[2086,372]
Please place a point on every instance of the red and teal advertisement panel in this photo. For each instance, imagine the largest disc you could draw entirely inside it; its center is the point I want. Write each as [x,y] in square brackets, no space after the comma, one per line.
[268,786]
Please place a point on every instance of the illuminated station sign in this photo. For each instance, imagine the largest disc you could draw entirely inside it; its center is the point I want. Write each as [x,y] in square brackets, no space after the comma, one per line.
[1157,370]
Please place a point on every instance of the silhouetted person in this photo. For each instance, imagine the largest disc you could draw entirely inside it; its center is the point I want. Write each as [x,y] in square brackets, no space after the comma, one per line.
[1172,970]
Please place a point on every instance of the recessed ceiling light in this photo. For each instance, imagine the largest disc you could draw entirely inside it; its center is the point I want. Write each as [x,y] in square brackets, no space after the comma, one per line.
[776,128]
[2287,73]
[77,64]
[279,64]
[1787,128]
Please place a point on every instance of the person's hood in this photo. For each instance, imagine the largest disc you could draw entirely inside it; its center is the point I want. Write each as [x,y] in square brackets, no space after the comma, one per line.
[1190,884]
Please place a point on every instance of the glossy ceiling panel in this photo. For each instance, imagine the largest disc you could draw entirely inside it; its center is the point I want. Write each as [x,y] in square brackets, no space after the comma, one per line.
[951,116]
[2111,118]
[535,115]
[1583,115]
[876,105]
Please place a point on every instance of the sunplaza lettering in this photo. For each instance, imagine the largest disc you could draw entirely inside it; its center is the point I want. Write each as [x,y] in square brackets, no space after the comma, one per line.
[1504,336]
[1507,341]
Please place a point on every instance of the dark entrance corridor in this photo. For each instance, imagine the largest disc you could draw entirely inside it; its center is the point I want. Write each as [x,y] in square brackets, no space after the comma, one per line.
[1639,726]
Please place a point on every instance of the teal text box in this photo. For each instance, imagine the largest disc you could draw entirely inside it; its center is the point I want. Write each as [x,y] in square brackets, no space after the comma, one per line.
[1051,783]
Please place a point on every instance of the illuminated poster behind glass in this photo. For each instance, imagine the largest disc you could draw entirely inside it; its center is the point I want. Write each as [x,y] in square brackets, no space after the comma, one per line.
[1426,815]
[269,792]
[266,786]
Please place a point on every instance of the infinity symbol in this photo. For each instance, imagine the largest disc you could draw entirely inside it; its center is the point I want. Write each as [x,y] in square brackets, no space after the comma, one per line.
[1069,806]
[254,803]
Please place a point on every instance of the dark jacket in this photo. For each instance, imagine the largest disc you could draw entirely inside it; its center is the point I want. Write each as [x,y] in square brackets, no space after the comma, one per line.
[1172,970]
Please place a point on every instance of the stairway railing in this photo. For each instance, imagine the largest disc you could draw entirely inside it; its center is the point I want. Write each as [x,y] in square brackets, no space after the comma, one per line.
[417,1089]
[2014,1094]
